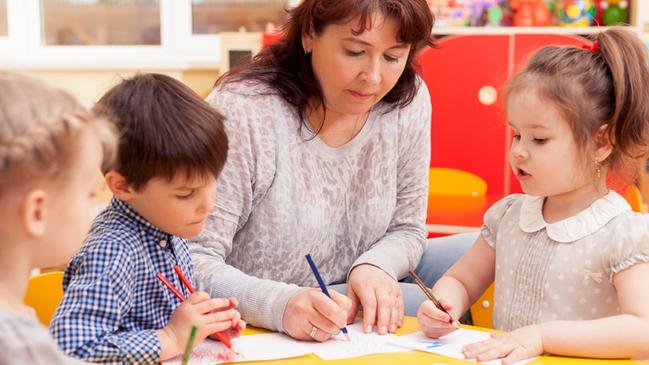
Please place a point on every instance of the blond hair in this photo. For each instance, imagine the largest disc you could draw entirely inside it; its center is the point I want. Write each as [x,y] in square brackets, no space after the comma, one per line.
[40,127]
[591,87]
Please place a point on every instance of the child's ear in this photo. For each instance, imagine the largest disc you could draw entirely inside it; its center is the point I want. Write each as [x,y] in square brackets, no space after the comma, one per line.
[117,183]
[602,144]
[34,214]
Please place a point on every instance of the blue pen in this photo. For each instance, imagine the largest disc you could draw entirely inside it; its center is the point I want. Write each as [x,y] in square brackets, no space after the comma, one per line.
[323,287]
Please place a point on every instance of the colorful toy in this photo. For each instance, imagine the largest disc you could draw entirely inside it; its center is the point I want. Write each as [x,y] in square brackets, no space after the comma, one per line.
[450,13]
[616,12]
[528,13]
[488,12]
[577,13]
[495,15]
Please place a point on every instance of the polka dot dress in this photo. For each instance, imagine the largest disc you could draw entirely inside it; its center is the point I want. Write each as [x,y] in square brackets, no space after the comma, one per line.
[563,270]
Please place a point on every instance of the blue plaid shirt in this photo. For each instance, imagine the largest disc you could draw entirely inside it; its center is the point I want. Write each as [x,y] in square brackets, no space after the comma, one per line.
[113,302]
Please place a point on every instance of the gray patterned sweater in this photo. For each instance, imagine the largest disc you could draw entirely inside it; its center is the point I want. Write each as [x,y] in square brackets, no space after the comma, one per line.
[284,193]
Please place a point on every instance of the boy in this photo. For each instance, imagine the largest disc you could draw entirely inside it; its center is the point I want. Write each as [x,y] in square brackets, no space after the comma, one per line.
[46,185]
[172,146]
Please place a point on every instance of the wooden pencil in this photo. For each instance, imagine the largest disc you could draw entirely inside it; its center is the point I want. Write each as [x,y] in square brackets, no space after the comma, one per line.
[430,295]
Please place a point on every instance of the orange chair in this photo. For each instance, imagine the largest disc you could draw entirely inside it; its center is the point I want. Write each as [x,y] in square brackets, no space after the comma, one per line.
[44,293]
[633,196]
[448,181]
[482,309]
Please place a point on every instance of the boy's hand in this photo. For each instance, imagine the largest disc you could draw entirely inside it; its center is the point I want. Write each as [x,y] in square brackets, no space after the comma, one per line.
[208,315]
[433,322]
[514,346]
[238,325]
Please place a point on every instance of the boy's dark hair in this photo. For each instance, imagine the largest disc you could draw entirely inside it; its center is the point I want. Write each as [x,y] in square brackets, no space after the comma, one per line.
[164,128]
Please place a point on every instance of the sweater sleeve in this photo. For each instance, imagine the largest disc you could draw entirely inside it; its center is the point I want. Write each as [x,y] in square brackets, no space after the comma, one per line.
[400,249]
[247,175]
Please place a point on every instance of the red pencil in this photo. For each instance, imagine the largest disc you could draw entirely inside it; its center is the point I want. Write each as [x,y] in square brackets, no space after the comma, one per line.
[171,287]
[219,335]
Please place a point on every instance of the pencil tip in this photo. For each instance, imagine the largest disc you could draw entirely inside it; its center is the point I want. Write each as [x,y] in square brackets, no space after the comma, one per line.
[235,350]
[347,337]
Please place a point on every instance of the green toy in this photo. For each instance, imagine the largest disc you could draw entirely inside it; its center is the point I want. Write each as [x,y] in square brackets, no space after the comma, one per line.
[616,12]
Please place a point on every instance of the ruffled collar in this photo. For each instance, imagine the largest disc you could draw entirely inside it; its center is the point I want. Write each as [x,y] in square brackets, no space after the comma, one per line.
[578,226]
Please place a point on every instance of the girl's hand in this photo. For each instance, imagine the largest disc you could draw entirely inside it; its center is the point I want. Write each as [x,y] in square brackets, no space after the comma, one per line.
[380,296]
[513,346]
[433,322]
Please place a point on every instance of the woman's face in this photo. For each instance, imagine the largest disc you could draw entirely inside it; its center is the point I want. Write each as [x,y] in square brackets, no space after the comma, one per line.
[356,71]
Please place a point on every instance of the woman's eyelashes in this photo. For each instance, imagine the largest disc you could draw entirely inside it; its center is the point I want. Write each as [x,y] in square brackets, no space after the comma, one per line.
[387,57]
[352,53]
[391,58]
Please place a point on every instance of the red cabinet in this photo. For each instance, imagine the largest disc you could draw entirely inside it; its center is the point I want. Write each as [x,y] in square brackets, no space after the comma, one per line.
[469,129]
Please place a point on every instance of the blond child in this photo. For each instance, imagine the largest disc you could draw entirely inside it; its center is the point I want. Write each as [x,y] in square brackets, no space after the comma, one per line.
[569,259]
[51,151]
[172,146]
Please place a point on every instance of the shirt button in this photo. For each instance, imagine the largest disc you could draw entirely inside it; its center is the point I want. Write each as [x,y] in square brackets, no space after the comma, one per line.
[142,232]
[163,243]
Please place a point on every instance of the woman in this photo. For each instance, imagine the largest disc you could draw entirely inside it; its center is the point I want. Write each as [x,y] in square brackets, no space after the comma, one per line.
[329,149]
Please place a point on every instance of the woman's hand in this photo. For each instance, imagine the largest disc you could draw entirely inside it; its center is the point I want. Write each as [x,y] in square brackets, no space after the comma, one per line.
[513,346]
[311,315]
[380,296]
[433,322]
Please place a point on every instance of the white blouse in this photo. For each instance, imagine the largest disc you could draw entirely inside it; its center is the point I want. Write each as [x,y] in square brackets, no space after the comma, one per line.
[562,270]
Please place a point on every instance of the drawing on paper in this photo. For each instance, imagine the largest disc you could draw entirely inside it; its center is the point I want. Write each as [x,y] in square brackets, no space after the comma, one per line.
[431,344]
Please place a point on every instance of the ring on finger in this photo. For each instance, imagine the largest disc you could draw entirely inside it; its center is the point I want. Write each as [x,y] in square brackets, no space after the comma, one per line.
[314,331]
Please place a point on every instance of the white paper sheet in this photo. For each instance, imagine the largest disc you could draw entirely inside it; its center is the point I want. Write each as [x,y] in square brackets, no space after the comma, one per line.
[449,345]
[273,346]
[361,344]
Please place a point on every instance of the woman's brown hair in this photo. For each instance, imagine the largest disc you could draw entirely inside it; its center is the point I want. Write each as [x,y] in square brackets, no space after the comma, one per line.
[285,67]
[607,84]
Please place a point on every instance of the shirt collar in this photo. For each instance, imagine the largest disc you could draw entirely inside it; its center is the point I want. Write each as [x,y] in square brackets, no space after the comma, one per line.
[574,228]
[144,226]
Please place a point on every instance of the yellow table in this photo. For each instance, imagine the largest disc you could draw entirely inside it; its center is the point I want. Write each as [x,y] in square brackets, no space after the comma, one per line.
[417,357]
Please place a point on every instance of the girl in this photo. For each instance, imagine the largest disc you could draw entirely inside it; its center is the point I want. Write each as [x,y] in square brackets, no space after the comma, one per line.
[51,150]
[569,258]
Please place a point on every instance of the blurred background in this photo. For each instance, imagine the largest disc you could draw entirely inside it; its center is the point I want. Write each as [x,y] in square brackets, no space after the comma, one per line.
[86,45]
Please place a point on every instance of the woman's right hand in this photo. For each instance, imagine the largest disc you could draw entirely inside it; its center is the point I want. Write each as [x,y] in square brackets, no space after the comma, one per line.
[434,322]
[312,316]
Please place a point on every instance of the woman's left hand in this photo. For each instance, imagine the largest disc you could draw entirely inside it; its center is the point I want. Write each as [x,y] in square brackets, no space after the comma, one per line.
[380,296]
[513,346]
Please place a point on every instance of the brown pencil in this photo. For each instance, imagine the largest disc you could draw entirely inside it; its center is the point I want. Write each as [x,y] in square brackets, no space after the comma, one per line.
[430,296]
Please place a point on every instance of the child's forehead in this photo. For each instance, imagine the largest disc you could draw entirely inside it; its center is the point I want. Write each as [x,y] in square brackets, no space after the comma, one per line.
[526,109]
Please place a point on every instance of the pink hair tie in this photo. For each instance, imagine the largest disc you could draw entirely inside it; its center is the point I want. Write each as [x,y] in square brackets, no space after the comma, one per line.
[594,48]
